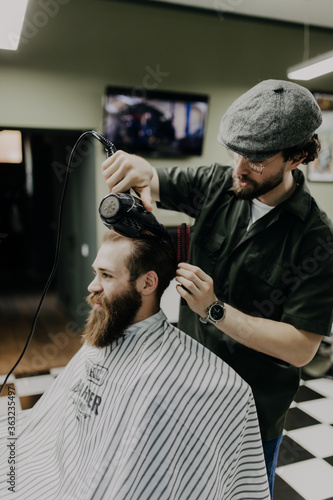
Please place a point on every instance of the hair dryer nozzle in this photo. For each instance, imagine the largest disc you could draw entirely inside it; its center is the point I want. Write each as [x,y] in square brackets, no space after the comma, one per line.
[126,215]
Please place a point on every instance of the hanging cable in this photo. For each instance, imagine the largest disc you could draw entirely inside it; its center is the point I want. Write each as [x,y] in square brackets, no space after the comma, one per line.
[110,150]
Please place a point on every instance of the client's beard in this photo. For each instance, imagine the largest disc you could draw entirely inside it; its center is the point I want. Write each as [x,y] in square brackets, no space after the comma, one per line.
[108,324]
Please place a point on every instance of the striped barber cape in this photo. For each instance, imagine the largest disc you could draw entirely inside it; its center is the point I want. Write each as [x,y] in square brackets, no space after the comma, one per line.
[154,416]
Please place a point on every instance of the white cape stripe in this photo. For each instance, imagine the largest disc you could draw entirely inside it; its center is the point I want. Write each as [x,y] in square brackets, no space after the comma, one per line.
[154,416]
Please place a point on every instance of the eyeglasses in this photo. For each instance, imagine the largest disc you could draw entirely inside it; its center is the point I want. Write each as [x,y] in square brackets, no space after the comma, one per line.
[256,166]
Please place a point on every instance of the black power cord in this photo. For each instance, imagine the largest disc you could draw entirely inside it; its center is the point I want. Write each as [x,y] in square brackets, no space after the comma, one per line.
[110,150]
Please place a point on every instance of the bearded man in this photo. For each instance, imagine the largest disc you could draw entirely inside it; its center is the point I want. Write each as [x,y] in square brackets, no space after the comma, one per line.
[142,411]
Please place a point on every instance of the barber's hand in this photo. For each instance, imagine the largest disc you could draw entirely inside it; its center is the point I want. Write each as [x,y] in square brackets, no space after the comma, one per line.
[199,293]
[123,171]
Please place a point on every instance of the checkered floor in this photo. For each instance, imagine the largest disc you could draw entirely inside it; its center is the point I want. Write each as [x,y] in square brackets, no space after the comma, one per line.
[305,467]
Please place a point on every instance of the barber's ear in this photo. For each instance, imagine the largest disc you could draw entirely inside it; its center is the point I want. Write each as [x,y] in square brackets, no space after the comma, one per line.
[147,283]
[296,161]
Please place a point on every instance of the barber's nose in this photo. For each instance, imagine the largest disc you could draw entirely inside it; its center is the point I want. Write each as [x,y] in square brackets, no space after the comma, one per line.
[95,286]
[241,165]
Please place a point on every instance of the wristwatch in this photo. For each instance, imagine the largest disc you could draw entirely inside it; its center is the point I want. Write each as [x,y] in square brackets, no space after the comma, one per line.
[216,312]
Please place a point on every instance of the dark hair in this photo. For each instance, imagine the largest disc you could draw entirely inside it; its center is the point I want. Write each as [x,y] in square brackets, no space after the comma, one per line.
[309,149]
[150,253]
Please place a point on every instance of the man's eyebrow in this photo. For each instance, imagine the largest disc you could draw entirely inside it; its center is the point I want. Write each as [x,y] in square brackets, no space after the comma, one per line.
[103,269]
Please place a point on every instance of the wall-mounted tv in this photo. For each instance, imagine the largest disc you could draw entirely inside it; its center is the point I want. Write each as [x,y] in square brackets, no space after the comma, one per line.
[155,123]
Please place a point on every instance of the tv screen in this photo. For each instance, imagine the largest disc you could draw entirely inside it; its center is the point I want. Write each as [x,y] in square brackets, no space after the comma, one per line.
[155,123]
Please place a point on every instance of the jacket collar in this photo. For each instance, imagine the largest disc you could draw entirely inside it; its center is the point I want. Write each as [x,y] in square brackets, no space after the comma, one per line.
[299,202]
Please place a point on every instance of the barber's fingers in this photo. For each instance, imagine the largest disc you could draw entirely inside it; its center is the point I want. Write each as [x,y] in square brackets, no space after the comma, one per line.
[196,302]
[123,171]
[118,172]
[192,284]
[146,198]
[196,275]
[196,287]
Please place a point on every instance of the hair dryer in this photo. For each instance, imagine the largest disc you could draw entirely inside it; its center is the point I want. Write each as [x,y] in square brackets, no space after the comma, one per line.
[126,215]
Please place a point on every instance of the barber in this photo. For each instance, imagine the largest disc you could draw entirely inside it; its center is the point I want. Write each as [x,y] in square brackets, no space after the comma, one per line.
[259,289]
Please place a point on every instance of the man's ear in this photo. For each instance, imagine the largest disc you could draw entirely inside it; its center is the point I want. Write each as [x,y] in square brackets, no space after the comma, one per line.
[147,283]
[296,161]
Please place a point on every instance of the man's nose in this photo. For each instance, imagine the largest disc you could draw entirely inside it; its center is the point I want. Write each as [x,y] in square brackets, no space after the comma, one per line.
[95,286]
[241,164]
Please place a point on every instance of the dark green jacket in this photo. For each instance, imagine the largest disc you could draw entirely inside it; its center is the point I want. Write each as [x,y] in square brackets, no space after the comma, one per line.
[280,269]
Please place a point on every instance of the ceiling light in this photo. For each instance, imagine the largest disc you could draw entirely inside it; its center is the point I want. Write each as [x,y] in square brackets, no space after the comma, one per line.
[312,68]
[12,14]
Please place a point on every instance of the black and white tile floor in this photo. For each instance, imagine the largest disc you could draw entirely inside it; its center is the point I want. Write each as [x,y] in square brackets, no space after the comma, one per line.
[305,466]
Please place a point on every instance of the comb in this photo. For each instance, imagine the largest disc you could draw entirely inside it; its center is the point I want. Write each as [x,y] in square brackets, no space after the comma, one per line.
[183,247]
[183,243]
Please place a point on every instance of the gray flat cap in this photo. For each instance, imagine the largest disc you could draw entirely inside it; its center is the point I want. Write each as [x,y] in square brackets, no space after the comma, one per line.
[273,115]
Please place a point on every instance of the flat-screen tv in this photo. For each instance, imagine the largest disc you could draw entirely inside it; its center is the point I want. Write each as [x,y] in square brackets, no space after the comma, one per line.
[155,123]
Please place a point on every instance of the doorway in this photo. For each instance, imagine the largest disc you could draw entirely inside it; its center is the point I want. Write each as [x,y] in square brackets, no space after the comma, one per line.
[30,197]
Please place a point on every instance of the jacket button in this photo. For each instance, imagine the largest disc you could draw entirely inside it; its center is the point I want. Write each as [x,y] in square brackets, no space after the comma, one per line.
[241,225]
[267,275]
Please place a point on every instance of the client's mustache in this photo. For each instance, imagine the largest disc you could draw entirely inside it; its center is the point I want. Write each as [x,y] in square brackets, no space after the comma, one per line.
[96,298]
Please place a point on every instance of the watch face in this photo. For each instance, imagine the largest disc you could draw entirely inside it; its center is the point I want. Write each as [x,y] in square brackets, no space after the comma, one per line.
[216,312]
